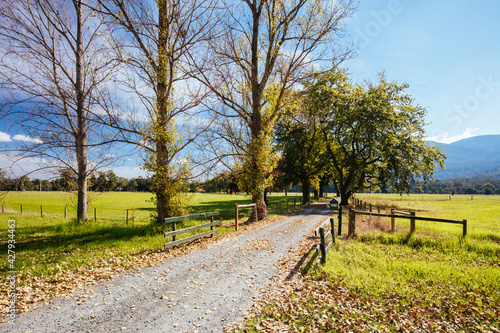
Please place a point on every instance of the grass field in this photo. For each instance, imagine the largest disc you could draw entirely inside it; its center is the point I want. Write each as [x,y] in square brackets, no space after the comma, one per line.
[482,212]
[49,248]
[432,281]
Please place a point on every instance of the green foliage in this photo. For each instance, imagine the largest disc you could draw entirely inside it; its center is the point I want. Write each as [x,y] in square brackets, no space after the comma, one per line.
[489,189]
[301,142]
[374,133]
[255,172]
[170,174]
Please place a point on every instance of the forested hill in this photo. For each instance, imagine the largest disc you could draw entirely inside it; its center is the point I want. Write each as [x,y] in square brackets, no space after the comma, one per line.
[476,156]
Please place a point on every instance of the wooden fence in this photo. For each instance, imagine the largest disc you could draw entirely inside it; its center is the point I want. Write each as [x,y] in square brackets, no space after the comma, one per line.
[236,206]
[324,246]
[401,215]
[173,221]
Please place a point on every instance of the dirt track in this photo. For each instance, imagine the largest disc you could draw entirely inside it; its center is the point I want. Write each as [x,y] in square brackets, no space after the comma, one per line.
[202,291]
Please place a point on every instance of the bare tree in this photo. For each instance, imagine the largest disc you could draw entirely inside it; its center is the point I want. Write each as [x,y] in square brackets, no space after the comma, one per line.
[55,64]
[268,47]
[159,42]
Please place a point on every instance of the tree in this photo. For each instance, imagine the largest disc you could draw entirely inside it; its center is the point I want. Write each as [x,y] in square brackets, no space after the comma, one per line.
[300,140]
[373,132]
[54,66]
[489,189]
[158,46]
[266,48]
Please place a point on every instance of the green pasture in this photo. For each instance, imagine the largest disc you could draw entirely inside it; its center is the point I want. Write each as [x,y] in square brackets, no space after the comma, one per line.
[482,212]
[110,208]
[436,258]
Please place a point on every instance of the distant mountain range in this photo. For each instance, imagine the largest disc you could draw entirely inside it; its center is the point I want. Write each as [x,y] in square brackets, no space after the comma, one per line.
[478,156]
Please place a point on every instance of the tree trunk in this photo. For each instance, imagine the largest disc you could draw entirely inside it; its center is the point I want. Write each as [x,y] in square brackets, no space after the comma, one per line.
[81,137]
[265,196]
[306,189]
[82,209]
[261,208]
[321,189]
[344,197]
[160,184]
[162,99]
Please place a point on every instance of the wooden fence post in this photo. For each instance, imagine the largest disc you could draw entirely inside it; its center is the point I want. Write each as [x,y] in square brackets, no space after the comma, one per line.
[41,211]
[66,211]
[236,217]
[21,209]
[133,216]
[126,220]
[340,221]
[351,226]
[393,221]
[322,245]
[464,228]
[332,229]
[256,214]
[95,214]
[173,229]
[211,227]
[294,199]
[412,223]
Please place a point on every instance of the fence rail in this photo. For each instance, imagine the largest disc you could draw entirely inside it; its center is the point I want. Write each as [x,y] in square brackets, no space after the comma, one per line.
[236,206]
[410,216]
[175,232]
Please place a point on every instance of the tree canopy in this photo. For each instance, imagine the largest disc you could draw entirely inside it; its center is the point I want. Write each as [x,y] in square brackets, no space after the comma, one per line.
[374,133]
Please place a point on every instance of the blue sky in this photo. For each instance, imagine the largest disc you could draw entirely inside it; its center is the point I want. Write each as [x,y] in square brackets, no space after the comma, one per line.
[447,51]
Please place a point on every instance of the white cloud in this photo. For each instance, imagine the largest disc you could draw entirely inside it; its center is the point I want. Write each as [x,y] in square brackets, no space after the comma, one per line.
[129,172]
[25,138]
[446,138]
[4,137]
[16,165]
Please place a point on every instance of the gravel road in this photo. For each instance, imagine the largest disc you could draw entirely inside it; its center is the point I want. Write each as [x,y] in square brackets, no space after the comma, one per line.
[202,291]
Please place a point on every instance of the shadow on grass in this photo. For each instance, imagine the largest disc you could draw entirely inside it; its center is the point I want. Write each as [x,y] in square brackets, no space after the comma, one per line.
[70,235]
[146,209]
[488,247]
[311,255]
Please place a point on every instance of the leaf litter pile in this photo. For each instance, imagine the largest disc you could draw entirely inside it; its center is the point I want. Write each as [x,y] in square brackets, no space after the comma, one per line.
[314,302]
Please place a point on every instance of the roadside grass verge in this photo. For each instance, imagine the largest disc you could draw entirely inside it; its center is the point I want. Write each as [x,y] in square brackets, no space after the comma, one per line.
[390,283]
[432,281]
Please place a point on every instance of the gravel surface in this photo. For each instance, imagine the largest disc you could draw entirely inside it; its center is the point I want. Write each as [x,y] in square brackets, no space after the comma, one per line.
[202,291]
